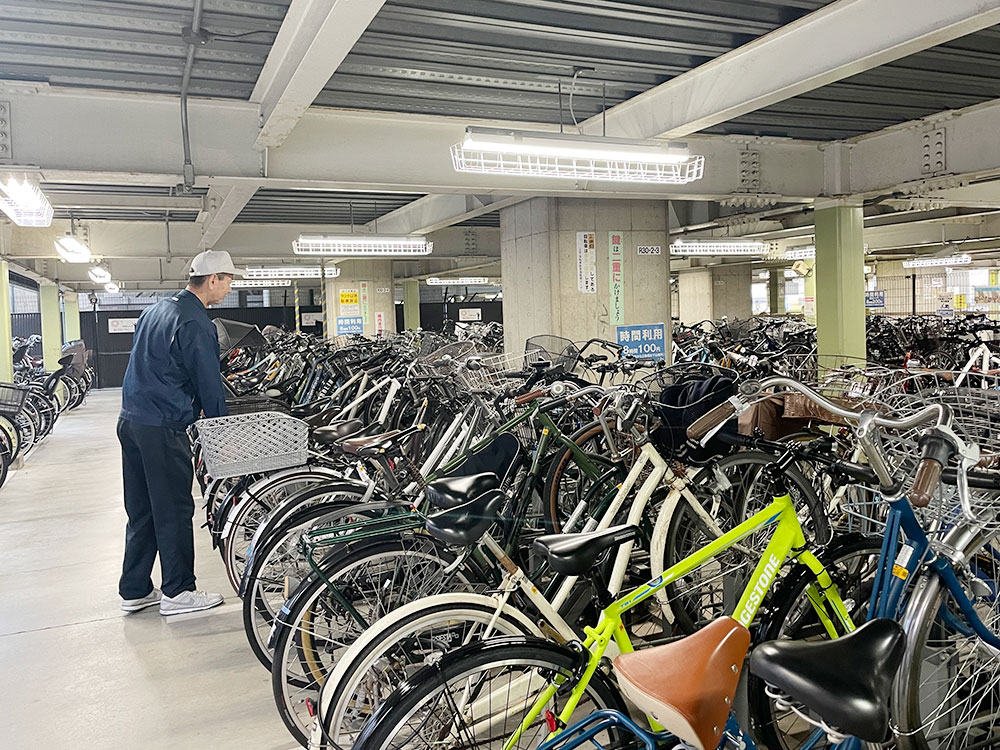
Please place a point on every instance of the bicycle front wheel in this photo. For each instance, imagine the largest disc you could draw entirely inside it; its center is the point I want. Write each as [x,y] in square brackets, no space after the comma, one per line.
[477,697]
[948,689]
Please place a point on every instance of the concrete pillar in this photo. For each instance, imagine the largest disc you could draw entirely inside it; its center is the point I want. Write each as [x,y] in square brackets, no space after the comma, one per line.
[809,293]
[411,304]
[694,293]
[6,336]
[731,295]
[546,291]
[368,281]
[776,291]
[840,281]
[71,315]
[48,301]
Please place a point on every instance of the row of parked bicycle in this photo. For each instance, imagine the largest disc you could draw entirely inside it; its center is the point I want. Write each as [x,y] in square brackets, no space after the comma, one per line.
[31,405]
[919,341]
[437,546]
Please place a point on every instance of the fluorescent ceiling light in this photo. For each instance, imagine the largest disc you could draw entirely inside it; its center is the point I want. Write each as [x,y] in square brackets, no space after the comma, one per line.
[464,280]
[718,247]
[248,283]
[24,202]
[952,260]
[291,272]
[361,245]
[571,156]
[805,252]
[99,275]
[112,288]
[71,250]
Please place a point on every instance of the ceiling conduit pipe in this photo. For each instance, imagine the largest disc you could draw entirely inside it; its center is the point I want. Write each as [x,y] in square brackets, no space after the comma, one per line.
[194,37]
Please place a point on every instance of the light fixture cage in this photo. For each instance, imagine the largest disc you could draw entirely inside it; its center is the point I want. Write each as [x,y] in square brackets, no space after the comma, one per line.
[361,245]
[112,288]
[576,168]
[72,250]
[24,202]
[260,283]
[99,275]
[718,247]
[804,252]
[291,272]
[952,260]
[461,281]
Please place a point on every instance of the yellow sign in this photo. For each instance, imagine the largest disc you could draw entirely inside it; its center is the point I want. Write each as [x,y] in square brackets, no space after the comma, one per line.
[995,277]
[349,297]
[960,302]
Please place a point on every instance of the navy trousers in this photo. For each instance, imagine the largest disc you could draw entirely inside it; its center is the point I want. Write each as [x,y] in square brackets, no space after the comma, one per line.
[157,472]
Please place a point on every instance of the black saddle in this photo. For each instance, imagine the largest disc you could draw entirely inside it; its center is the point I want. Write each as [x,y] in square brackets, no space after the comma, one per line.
[466,523]
[321,418]
[846,681]
[576,554]
[337,431]
[454,491]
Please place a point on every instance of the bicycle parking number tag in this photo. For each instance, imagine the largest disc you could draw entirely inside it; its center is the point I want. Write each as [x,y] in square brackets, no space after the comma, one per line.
[902,560]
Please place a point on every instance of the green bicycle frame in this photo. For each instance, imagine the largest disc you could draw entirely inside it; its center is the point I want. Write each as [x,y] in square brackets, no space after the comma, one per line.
[787,541]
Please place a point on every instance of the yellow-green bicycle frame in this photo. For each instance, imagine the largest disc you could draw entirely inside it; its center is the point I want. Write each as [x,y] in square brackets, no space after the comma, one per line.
[787,541]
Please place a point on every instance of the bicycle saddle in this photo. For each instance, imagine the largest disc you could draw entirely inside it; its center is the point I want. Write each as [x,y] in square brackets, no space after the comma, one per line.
[370,444]
[688,685]
[576,554]
[466,523]
[817,675]
[321,418]
[454,491]
[336,431]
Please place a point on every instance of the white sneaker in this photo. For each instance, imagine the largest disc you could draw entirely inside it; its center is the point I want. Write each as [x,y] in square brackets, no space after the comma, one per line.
[189,601]
[134,605]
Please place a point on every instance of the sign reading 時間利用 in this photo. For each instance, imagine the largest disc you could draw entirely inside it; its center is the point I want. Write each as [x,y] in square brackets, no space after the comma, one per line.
[875,299]
[647,341]
[351,324]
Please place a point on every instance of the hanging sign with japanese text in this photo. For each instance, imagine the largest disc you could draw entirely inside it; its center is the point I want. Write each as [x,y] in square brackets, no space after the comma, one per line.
[353,324]
[379,322]
[350,305]
[615,271]
[645,341]
[586,262]
[365,300]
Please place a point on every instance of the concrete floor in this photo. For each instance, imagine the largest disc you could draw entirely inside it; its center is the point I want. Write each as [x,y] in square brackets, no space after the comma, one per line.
[77,672]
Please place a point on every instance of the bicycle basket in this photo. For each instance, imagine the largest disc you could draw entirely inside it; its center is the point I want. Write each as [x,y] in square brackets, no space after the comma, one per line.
[250,443]
[559,351]
[12,399]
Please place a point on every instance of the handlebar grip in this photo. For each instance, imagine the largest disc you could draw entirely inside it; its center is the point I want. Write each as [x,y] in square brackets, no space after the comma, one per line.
[710,420]
[925,483]
[527,398]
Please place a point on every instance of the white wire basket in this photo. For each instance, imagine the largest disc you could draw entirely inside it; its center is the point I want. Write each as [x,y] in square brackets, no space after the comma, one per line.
[490,375]
[252,443]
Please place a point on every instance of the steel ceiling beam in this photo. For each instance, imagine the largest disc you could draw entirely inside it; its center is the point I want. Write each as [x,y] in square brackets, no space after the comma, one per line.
[314,39]
[223,205]
[839,40]
[71,200]
[433,212]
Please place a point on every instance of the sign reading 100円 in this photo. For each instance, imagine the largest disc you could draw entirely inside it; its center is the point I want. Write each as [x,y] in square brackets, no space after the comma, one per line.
[646,341]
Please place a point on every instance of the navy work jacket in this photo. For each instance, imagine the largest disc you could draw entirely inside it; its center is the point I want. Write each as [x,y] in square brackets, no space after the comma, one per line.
[173,374]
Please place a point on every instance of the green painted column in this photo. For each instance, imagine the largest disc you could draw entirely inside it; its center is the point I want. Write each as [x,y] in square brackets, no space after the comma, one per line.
[840,282]
[48,299]
[6,337]
[71,313]
[411,304]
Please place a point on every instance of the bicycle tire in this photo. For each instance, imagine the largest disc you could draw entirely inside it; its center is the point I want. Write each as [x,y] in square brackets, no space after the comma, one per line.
[528,655]
[300,650]
[9,428]
[398,634]
[789,616]
[682,540]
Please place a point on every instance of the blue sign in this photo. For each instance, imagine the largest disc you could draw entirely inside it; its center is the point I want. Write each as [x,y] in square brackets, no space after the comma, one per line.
[645,341]
[350,325]
[875,298]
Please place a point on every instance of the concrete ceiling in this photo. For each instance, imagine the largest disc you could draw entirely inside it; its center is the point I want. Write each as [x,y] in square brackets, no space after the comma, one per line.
[306,112]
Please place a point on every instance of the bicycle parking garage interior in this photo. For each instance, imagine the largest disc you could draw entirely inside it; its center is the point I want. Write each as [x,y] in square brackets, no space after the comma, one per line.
[608,374]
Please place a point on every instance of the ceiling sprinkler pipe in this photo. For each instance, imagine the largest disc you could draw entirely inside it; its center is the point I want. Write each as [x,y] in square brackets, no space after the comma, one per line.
[192,39]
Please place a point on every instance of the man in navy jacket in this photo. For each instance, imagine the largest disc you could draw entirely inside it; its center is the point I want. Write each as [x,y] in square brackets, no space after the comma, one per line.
[172,379]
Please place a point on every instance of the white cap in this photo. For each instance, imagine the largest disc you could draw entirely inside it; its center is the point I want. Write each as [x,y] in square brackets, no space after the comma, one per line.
[213,261]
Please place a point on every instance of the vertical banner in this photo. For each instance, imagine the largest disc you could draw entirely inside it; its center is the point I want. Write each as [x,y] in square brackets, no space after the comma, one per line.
[586,262]
[379,323]
[617,286]
[364,293]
